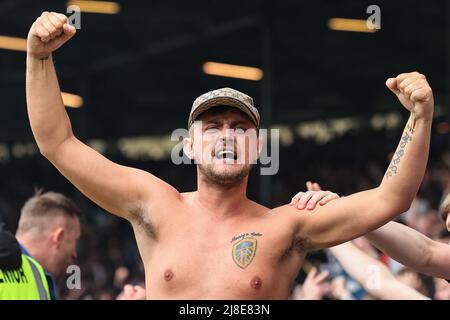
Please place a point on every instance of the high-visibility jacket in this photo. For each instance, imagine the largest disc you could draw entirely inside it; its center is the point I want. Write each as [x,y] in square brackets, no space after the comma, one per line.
[28,282]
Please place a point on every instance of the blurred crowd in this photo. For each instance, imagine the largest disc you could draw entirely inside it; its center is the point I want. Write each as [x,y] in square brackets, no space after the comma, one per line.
[108,254]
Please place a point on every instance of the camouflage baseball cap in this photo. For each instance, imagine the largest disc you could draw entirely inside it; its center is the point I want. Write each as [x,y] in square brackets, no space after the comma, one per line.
[224,97]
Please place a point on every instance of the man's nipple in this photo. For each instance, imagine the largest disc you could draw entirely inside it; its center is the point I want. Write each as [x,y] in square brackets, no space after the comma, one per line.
[168,275]
[256,283]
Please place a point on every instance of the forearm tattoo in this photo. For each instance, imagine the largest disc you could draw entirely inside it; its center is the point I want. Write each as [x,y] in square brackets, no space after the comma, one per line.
[406,138]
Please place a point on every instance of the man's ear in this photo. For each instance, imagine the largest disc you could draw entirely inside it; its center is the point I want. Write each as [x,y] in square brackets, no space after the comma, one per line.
[260,142]
[188,147]
[57,236]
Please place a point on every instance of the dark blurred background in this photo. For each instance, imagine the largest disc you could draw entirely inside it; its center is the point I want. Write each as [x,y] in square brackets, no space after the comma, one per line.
[138,72]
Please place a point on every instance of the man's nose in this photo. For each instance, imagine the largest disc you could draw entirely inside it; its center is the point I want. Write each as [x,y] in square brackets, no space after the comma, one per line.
[227,139]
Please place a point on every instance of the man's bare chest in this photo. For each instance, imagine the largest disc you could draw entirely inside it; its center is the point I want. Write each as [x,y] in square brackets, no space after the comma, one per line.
[245,258]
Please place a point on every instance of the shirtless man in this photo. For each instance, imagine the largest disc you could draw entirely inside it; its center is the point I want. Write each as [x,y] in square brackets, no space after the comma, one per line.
[215,243]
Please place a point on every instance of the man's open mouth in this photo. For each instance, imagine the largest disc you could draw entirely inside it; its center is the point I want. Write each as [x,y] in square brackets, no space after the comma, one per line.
[226,154]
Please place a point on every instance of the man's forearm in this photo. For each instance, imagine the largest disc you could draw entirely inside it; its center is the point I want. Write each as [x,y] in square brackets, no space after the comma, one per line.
[373,276]
[406,245]
[406,170]
[360,213]
[48,118]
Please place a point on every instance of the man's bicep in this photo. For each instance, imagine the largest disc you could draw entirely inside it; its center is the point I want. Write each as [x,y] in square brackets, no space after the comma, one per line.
[118,189]
[345,219]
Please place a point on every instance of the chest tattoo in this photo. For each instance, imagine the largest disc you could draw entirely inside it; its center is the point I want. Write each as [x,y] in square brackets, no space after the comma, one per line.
[244,247]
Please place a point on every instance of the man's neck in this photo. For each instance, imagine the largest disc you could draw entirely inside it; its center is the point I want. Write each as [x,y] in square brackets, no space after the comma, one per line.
[224,201]
[29,245]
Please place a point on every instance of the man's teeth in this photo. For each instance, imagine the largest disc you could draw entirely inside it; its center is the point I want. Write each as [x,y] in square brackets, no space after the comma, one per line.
[225,154]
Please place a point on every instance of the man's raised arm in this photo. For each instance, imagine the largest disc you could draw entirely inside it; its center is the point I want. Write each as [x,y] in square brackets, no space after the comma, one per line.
[361,267]
[118,189]
[413,249]
[352,216]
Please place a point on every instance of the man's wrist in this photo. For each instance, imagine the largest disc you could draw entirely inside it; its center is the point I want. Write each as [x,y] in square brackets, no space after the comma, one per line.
[38,58]
[37,67]
[422,118]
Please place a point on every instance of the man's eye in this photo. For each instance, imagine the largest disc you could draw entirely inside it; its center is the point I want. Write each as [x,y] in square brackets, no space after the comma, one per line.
[211,130]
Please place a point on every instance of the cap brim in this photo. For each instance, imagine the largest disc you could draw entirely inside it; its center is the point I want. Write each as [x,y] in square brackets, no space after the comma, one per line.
[225,102]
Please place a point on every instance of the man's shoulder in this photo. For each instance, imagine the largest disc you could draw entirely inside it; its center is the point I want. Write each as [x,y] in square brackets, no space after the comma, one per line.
[187,195]
[287,210]
[293,215]
[286,214]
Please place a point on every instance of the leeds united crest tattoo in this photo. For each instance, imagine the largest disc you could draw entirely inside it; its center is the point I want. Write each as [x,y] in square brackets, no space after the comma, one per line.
[244,249]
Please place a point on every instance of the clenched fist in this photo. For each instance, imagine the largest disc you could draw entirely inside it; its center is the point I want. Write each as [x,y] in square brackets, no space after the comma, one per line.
[49,32]
[414,93]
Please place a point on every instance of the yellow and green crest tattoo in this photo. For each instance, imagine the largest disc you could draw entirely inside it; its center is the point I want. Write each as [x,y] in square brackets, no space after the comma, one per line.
[244,250]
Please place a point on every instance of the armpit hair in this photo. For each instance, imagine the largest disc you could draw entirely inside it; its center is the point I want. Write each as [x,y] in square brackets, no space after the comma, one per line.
[298,245]
[141,217]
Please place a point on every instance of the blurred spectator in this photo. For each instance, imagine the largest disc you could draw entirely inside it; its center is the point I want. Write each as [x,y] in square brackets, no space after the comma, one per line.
[131,292]
[315,287]
[414,280]
[442,289]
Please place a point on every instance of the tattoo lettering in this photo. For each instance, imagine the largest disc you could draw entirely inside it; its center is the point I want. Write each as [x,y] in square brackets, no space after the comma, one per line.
[244,235]
[410,129]
[244,249]
[407,137]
